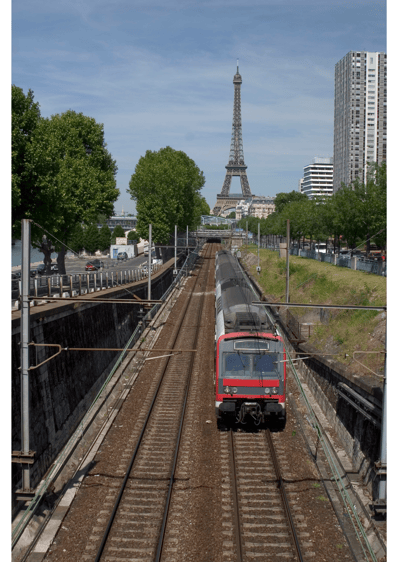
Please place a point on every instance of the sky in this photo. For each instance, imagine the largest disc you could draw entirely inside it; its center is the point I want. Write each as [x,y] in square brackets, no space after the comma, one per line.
[160,74]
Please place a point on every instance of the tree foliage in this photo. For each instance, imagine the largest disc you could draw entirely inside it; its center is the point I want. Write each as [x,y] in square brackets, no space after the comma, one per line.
[353,213]
[282,199]
[104,238]
[76,242]
[91,238]
[68,178]
[165,187]
[25,118]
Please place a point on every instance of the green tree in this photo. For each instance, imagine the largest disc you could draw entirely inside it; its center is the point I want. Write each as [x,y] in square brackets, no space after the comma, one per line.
[350,219]
[76,242]
[73,178]
[231,215]
[375,202]
[165,187]
[132,235]
[105,237]
[201,207]
[118,232]
[25,118]
[282,199]
[91,238]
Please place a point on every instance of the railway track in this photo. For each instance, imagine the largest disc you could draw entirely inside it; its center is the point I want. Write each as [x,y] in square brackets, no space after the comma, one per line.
[190,492]
[133,522]
[260,521]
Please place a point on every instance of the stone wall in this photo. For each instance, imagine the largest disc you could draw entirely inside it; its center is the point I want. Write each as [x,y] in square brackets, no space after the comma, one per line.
[62,389]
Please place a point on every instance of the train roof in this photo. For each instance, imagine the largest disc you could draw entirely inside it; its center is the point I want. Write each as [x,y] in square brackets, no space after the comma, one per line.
[237,296]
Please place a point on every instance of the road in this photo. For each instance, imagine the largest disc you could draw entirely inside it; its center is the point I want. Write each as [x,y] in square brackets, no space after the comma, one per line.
[76,265]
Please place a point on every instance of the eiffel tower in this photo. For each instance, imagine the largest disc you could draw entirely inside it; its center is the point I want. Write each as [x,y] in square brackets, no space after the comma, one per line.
[236,164]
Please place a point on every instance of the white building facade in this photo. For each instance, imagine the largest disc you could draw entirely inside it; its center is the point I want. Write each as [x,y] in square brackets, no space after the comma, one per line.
[256,206]
[360,115]
[318,178]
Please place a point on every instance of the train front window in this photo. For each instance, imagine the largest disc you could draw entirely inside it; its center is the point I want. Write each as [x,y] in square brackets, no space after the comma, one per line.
[264,364]
[237,365]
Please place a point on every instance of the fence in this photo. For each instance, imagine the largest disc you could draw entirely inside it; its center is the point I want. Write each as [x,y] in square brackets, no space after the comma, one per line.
[377,267]
[77,284]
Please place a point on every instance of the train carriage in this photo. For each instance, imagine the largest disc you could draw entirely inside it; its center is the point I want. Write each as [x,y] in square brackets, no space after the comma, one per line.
[250,356]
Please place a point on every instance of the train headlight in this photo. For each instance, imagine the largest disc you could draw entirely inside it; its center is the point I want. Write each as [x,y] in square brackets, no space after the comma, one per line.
[272,390]
[234,390]
[227,390]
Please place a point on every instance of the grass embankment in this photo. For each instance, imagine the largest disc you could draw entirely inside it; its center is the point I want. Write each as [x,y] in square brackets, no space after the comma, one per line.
[316,282]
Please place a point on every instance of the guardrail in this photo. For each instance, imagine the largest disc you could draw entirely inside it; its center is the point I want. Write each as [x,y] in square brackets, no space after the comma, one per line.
[76,284]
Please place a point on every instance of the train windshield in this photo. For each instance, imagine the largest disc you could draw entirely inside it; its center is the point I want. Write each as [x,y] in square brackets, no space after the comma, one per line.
[264,364]
[250,365]
[237,365]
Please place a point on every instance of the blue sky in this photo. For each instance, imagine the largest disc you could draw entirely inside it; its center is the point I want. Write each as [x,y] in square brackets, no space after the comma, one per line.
[158,76]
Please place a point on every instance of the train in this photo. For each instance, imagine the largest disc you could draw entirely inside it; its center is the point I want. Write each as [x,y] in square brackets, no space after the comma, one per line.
[250,356]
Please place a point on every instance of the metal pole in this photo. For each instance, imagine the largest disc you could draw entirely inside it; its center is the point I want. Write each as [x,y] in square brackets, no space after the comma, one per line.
[258,246]
[149,262]
[175,248]
[383,438]
[247,229]
[287,258]
[25,339]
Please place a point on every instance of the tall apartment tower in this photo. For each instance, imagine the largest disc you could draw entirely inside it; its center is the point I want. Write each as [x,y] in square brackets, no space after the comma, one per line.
[360,115]
[318,178]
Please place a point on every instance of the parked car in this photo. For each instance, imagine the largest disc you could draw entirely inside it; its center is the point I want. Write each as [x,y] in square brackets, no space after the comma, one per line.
[94,265]
[122,256]
[320,248]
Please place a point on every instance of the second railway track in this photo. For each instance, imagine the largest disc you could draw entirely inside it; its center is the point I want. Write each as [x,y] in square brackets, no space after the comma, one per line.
[136,525]
[258,520]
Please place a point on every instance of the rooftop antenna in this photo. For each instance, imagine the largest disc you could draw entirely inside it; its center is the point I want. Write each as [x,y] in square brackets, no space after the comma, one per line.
[237,65]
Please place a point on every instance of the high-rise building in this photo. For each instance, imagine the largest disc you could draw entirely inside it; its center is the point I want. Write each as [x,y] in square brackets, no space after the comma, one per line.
[360,115]
[318,178]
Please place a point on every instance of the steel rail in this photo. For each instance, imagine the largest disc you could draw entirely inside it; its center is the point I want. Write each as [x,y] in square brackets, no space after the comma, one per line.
[235,501]
[177,447]
[285,501]
[134,455]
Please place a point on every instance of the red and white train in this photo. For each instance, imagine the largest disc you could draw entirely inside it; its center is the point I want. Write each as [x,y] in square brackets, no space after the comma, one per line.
[250,357]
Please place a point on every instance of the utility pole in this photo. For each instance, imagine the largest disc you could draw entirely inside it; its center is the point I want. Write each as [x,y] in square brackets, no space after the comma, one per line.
[25,456]
[287,258]
[258,249]
[175,250]
[381,503]
[149,262]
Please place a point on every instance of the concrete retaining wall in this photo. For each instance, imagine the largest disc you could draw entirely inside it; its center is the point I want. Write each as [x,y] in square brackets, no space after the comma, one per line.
[62,389]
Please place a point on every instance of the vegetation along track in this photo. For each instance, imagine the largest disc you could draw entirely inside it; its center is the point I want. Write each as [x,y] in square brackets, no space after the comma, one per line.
[133,520]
